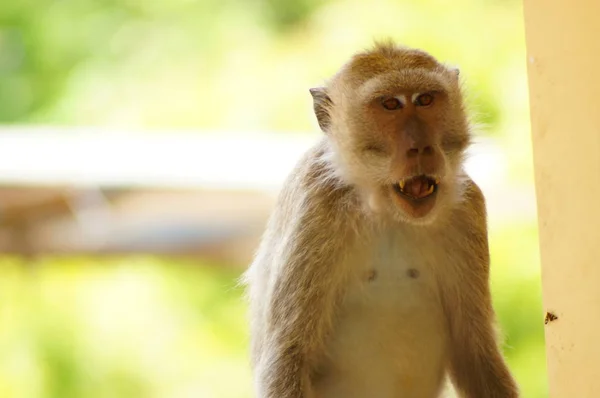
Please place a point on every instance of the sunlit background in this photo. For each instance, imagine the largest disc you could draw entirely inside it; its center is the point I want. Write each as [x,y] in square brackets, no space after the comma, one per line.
[142,144]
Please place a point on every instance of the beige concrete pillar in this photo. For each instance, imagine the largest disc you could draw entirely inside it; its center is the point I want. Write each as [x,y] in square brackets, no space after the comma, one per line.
[563,56]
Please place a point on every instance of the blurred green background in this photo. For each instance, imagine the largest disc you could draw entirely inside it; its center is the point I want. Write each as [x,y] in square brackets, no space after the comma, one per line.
[148,326]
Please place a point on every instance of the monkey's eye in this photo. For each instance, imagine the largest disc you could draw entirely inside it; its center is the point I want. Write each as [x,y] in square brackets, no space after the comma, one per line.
[376,148]
[391,104]
[424,100]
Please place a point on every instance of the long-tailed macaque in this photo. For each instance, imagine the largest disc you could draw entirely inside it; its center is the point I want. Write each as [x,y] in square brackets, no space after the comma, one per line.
[372,278]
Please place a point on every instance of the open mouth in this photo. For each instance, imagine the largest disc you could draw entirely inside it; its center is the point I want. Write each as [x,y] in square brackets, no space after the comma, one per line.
[417,187]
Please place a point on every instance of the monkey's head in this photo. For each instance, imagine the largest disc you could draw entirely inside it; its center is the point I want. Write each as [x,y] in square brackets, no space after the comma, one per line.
[398,128]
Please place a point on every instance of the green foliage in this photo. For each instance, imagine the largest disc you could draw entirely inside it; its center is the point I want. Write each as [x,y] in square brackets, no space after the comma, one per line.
[145,327]
[283,15]
[127,327]
[188,63]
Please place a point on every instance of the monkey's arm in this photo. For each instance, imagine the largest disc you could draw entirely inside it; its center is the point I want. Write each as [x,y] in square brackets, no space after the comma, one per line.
[306,282]
[477,367]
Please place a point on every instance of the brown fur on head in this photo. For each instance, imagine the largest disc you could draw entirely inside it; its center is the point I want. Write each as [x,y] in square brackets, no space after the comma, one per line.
[394,113]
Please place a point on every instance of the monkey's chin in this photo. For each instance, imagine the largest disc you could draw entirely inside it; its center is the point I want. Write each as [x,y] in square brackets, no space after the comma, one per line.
[417,211]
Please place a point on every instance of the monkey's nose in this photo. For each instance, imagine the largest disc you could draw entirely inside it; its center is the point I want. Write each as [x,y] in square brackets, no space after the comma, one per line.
[419,150]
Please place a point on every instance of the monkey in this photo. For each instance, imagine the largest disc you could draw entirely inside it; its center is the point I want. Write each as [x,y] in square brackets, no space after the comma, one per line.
[371,278]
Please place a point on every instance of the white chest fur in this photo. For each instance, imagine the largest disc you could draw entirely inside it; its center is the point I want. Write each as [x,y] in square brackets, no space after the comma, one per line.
[389,338]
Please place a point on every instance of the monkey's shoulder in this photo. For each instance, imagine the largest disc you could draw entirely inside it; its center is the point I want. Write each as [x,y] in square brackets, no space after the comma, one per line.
[474,197]
[465,232]
[470,210]
[315,184]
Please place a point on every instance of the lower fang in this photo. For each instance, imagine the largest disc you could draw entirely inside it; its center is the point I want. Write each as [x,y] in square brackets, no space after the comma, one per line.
[430,190]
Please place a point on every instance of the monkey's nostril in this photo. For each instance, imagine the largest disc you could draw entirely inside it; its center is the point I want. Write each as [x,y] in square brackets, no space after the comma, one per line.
[413,152]
[428,150]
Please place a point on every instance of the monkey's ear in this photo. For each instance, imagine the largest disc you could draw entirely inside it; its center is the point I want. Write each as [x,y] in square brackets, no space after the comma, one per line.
[456,71]
[321,105]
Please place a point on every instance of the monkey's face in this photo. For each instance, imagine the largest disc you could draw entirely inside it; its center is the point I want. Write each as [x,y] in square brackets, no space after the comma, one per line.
[416,170]
[399,130]
[402,143]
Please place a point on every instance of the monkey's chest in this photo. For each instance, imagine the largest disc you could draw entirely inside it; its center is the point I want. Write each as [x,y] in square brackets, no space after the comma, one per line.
[395,282]
[389,338]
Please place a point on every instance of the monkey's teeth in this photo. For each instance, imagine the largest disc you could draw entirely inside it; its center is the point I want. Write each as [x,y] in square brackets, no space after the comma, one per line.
[437,181]
[402,183]
[430,190]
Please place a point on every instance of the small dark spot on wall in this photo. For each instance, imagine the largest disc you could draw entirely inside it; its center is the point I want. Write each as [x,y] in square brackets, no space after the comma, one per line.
[413,273]
[550,317]
[372,275]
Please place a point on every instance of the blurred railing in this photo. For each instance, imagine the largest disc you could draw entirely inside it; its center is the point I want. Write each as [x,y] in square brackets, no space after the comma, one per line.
[87,190]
